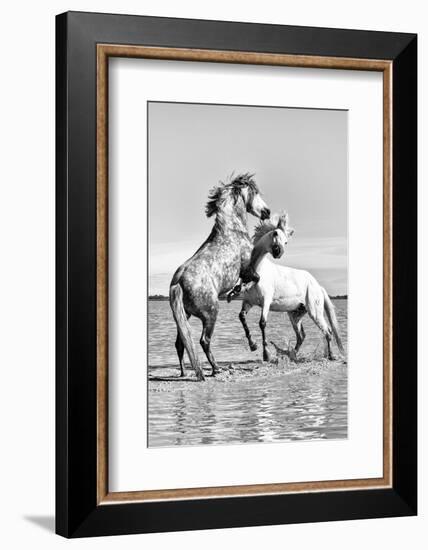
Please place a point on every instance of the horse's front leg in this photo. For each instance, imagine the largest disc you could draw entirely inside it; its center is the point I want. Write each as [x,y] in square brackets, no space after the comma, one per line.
[263,320]
[243,318]
[247,276]
[236,290]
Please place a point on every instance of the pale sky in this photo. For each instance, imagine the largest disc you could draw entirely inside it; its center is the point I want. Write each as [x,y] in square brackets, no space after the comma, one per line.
[298,156]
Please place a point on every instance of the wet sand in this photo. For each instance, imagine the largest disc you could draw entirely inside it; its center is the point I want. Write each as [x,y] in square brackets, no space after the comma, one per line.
[168,379]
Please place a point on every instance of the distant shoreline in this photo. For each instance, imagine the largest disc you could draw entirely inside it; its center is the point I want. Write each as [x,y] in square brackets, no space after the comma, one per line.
[162,298]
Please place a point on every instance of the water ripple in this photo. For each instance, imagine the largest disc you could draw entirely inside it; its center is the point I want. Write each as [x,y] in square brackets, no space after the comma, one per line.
[289,407]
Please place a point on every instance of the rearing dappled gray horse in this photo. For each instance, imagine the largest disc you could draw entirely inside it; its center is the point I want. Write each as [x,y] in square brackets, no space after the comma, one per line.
[216,266]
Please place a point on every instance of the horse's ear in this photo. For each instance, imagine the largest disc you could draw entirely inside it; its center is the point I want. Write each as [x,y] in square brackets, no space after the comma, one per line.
[283,225]
[283,222]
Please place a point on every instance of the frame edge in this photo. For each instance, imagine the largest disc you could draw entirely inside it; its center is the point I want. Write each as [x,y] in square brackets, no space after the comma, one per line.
[405,273]
[61,267]
[96,520]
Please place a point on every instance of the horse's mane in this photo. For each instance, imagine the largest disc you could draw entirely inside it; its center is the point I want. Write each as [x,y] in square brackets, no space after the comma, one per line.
[219,195]
[275,221]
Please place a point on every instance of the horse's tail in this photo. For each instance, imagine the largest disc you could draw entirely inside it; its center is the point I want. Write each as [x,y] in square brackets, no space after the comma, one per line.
[176,303]
[332,319]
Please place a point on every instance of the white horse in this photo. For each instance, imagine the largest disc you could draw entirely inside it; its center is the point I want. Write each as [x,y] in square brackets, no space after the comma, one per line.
[281,288]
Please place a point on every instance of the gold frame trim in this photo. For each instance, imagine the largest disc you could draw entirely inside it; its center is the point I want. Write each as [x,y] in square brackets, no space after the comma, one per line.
[104,51]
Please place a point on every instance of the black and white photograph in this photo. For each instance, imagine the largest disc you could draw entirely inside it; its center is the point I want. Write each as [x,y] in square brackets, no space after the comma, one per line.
[247,274]
[212,275]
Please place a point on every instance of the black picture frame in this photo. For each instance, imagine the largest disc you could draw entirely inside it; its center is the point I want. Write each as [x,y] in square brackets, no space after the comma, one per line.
[77,511]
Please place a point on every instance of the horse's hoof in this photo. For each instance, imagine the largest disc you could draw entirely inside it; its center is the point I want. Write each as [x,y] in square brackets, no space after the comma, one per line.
[253,346]
[200,376]
[267,357]
[215,372]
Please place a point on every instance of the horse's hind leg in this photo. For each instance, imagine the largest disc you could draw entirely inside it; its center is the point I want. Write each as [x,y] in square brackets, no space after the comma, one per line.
[315,307]
[328,340]
[208,323]
[243,318]
[179,346]
[325,329]
[296,322]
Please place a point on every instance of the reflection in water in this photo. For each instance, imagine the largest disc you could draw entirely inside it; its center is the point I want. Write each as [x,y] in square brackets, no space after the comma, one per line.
[293,407]
[251,408]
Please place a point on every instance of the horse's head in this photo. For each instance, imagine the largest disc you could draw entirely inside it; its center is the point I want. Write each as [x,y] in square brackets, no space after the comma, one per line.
[273,235]
[240,195]
[251,197]
[279,236]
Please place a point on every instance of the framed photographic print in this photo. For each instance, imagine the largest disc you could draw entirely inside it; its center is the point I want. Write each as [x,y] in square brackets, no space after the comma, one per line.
[236,274]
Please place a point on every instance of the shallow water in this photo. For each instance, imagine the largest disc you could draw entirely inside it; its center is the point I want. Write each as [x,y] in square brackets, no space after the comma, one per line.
[229,342]
[250,402]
